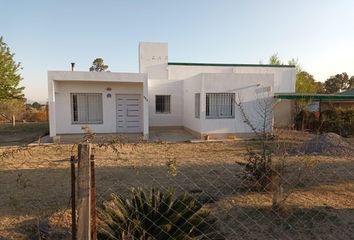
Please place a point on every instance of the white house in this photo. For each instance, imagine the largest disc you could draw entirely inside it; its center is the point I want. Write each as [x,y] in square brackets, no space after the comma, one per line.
[196,96]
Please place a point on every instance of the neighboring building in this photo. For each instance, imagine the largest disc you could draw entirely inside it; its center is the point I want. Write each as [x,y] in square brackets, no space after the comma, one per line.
[197,96]
[344,104]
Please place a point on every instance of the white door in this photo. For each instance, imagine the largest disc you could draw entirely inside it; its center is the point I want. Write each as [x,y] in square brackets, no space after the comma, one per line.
[128,113]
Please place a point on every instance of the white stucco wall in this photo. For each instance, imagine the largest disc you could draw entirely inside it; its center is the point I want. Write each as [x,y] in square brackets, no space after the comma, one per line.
[223,83]
[191,86]
[166,87]
[153,59]
[62,83]
[284,77]
[213,83]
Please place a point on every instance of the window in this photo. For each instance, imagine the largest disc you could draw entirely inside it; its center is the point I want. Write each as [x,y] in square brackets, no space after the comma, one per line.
[197,105]
[86,108]
[163,104]
[220,105]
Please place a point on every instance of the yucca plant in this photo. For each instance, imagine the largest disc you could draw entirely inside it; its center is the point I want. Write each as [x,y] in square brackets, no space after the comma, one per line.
[154,215]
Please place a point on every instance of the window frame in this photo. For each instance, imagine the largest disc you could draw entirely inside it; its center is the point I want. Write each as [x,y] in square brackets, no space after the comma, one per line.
[197,105]
[88,121]
[168,102]
[219,116]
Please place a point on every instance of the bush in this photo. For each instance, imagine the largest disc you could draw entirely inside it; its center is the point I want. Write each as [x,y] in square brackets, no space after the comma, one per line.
[155,215]
[339,121]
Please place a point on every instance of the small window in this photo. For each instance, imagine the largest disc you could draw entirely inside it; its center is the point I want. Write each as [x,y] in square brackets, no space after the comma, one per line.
[163,104]
[220,105]
[197,105]
[86,108]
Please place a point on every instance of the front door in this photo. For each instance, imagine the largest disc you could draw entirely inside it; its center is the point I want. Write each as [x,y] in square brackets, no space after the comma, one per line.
[128,113]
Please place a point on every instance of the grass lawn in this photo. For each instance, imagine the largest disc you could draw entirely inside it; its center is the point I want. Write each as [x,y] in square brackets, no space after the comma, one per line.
[22,133]
[35,186]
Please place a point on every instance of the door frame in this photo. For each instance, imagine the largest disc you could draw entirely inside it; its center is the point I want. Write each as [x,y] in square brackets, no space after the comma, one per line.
[141,111]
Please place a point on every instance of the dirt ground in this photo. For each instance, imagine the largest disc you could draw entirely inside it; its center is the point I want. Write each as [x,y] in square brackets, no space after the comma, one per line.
[22,133]
[35,188]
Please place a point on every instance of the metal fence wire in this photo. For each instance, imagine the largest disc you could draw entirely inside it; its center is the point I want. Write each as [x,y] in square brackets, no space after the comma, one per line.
[294,186]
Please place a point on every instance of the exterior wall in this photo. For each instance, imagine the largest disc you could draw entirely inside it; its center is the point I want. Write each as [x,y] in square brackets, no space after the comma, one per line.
[284,77]
[346,105]
[192,86]
[63,104]
[214,83]
[284,82]
[62,83]
[164,87]
[284,113]
[153,58]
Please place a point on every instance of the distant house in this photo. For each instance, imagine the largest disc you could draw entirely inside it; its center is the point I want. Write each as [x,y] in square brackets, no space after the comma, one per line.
[196,96]
[340,103]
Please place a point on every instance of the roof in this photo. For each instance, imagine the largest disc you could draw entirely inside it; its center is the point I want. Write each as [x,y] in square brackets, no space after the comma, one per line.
[229,65]
[314,96]
[349,92]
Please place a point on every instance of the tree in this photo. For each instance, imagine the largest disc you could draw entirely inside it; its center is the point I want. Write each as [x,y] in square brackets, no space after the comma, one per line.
[98,66]
[295,62]
[275,60]
[36,105]
[9,76]
[305,83]
[338,83]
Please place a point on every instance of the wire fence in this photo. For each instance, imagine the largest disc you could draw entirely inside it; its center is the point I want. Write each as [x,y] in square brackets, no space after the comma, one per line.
[207,190]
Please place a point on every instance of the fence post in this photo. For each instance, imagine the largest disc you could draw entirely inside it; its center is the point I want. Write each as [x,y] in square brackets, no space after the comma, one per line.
[84,185]
[73,198]
[93,199]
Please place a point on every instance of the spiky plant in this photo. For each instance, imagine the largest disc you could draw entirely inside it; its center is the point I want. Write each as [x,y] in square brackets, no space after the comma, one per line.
[154,215]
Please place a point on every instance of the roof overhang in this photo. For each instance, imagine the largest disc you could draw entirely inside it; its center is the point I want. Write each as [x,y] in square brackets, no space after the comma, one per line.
[314,96]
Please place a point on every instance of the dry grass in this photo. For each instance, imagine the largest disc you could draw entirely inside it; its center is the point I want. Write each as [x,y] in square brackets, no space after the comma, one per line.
[35,185]
[22,133]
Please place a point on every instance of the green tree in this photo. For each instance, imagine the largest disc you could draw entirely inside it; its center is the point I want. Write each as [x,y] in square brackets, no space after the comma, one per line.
[338,83]
[305,83]
[98,65]
[9,74]
[36,105]
[295,62]
[275,60]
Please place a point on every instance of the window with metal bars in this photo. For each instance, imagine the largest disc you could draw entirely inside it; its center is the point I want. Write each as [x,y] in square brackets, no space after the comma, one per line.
[163,103]
[220,105]
[197,105]
[86,108]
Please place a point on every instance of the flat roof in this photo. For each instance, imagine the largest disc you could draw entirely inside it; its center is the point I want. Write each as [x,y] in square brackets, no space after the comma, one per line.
[314,96]
[229,65]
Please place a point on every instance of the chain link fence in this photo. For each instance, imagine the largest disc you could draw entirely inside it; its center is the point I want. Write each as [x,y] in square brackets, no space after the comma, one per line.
[206,190]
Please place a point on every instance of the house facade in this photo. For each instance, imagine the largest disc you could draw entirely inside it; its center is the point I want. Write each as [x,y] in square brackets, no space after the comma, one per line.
[199,97]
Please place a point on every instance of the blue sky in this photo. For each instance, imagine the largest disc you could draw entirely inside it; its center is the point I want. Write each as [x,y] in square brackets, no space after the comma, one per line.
[48,35]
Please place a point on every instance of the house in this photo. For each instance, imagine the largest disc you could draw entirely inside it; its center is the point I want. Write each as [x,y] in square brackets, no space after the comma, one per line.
[199,97]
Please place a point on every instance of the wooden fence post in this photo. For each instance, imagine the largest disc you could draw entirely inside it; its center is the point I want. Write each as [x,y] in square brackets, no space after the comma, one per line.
[84,192]
[73,198]
[93,199]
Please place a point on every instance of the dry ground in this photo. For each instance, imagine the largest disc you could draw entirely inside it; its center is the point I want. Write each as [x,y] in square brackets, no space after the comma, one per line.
[35,185]
[22,133]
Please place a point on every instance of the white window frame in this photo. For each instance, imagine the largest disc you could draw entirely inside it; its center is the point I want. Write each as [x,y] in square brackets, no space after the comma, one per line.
[166,101]
[220,105]
[87,118]
[197,105]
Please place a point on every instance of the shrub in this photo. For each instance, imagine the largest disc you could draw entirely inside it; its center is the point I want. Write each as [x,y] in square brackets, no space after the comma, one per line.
[155,215]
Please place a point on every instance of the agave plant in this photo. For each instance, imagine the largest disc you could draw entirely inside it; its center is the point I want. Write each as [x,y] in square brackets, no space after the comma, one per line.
[154,215]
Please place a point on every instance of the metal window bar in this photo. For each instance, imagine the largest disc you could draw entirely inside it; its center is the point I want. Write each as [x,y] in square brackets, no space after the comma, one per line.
[163,104]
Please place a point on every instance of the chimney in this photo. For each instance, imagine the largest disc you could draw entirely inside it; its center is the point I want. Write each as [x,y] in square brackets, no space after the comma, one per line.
[72,66]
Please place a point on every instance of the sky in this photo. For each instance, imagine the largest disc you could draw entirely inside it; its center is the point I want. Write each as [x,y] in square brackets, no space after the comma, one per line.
[49,35]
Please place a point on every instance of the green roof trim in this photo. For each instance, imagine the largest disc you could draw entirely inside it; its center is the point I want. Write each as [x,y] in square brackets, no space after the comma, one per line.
[314,96]
[229,65]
